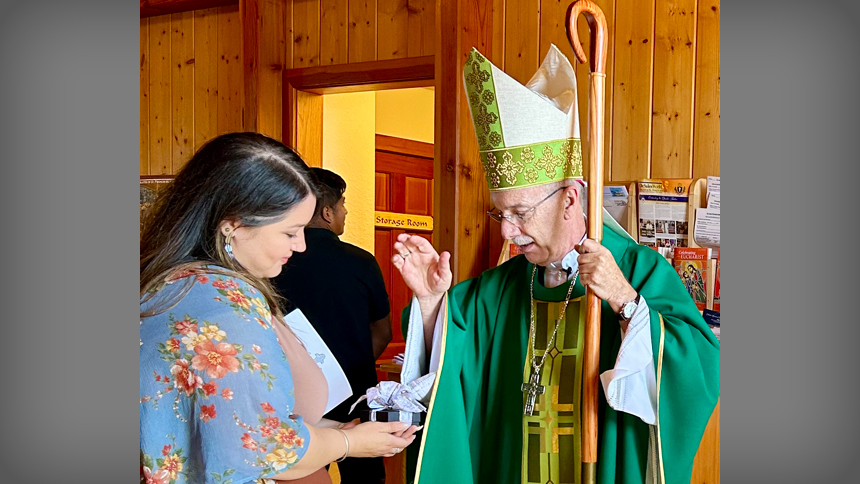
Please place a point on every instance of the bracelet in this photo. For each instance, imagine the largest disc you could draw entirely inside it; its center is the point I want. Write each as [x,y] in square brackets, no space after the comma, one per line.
[346,441]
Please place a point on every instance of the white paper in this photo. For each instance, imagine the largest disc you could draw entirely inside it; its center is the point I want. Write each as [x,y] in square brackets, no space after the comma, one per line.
[615,199]
[608,219]
[338,386]
[706,232]
[714,201]
[713,185]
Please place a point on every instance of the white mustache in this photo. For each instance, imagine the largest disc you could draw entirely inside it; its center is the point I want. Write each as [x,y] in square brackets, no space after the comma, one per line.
[522,240]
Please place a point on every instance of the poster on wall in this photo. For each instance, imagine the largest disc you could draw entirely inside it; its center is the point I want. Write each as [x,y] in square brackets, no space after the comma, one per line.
[150,186]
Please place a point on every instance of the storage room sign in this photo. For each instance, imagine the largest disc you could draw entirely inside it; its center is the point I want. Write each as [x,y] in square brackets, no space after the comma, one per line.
[403,221]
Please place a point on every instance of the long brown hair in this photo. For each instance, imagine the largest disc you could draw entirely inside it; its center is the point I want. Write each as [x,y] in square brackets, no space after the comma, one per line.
[245,177]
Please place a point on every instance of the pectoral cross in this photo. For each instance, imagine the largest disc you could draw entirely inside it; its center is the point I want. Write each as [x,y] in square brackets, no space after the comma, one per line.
[532,389]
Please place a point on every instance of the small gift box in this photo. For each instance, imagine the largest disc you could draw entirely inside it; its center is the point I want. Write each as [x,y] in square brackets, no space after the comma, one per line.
[390,401]
[412,418]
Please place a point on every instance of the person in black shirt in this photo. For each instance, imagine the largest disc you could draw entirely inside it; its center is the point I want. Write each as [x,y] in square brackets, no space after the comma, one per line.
[339,287]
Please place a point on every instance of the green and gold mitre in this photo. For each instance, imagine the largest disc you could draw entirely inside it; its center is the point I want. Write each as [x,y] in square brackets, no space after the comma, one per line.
[527,135]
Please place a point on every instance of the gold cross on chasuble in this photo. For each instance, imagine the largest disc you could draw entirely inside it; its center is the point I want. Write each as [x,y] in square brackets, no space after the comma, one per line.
[551,440]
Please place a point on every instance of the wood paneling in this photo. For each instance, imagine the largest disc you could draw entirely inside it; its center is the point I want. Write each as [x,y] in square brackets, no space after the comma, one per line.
[306,33]
[552,22]
[608,7]
[289,22]
[397,163]
[522,34]
[272,61]
[229,70]
[362,30]
[237,74]
[144,96]
[674,69]
[419,199]
[706,134]
[421,38]
[663,69]
[473,199]
[160,111]
[398,190]
[381,196]
[205,76]
[249,15]
[333,32]
[393,35]
[191,84]
[182,88]
[634,61]
[706,468]
[153,8]
[309,127]
[382,247]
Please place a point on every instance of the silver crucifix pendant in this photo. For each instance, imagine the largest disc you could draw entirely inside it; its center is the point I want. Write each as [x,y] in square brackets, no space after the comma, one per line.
[532,389]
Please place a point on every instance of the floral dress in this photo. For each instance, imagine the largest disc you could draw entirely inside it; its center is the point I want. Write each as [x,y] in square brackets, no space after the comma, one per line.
[216,393]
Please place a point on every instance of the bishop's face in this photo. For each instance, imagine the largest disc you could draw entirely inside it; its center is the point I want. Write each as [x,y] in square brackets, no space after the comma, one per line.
[539,220]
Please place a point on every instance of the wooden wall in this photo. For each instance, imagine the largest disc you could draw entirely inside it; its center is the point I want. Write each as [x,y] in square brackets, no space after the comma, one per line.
[663,78]
[190,84]
[327,32]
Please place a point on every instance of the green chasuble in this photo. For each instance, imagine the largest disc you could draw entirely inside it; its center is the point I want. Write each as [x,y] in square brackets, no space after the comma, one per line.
[475,425]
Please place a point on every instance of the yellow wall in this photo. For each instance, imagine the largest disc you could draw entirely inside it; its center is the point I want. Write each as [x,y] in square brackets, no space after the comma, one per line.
[349,151]
[405,113]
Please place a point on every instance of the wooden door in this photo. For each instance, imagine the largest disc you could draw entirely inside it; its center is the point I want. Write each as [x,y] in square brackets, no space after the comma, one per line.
[404,184]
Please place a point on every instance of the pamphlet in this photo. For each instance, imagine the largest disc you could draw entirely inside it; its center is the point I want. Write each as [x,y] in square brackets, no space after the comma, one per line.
[713,185]
[707,229]
[692,265]
[663,213]
[615,199]
[713,319]
[338,386]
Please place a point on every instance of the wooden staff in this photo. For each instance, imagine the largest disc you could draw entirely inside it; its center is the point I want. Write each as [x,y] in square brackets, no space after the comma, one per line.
[596,95]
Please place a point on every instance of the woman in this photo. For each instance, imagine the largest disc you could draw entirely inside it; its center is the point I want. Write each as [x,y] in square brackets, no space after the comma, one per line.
[218,399]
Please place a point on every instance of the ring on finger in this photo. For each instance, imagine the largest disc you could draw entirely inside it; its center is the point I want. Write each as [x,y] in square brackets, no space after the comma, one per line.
[396,450]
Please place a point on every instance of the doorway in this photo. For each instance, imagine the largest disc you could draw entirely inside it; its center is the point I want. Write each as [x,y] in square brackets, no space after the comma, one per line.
[404,186]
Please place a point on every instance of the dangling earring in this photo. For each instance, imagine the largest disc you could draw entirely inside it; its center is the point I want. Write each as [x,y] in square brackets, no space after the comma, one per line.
[227,247]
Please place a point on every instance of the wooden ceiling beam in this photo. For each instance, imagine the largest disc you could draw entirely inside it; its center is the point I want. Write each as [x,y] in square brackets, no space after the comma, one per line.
[153,8]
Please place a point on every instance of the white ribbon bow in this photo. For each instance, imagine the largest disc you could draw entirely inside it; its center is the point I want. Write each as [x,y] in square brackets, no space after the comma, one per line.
[390,395]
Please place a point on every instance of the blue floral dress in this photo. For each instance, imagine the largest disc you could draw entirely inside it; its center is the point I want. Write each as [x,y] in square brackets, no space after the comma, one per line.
[216,394]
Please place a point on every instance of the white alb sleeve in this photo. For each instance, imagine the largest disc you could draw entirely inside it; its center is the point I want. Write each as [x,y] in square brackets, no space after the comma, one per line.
[631,386]
[415,364]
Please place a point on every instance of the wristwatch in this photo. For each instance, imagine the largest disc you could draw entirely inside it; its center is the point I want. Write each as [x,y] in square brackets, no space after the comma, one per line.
[628,308]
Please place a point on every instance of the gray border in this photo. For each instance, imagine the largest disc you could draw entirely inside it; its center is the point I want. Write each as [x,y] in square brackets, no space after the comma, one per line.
[69,134]
[789,159]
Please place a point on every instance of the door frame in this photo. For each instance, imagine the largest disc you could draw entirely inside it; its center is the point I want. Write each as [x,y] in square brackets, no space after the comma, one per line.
[304,87]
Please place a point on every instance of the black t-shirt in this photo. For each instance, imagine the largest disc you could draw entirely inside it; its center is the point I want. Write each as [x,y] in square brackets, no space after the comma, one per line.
[339,287]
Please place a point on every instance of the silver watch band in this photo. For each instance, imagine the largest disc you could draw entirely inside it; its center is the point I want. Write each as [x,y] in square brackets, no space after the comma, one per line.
[635,302]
